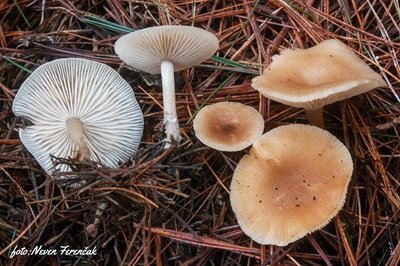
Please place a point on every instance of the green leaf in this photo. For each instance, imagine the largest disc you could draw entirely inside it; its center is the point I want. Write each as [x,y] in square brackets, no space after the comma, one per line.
[9,60]
[107,25]
[227,62]
[22,13]
[209,97]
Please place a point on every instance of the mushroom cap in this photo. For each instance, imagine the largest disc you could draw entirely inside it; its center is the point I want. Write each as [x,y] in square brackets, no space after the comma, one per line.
[228,126]
[60,91]
[312,78]
[184,46]
[293,182]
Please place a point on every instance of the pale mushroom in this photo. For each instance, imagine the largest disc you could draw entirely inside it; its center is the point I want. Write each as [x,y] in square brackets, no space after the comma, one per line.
[78,108]
[228,126]
[293,182]
[165,49]
[312,78]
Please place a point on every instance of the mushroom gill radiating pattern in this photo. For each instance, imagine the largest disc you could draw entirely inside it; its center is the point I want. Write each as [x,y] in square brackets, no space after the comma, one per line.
[184,46]
[166,49]
[90,91]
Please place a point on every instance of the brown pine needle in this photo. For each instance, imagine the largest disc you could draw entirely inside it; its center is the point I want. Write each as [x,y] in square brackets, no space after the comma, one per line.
[172,207]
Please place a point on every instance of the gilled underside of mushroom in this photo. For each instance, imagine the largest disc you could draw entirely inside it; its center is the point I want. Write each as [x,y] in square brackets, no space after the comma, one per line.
[75,131]
[166,49]
[80,109]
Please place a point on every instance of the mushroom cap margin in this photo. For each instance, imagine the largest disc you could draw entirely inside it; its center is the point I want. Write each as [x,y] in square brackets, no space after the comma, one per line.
[314,77]
[90,91]
[279,201]
[228,126]
[184,46]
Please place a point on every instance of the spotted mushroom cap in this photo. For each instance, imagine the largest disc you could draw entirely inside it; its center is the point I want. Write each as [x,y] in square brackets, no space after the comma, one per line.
[228,126]
[312,78]
[69,90]
[184,46]
[293,182]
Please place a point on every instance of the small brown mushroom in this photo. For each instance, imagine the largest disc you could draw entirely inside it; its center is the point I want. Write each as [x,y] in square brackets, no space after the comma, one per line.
[293,182]
[228,126]
[312,78]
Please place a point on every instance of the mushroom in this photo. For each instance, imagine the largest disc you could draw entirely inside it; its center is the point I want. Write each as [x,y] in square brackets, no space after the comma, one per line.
[293,182]
[78,108]
[312,78]
[228,126]
[165,49]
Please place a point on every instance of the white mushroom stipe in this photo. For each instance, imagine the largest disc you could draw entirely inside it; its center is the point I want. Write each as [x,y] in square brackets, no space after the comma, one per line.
[165,49]
[75,129]
[75,132]
[170,117]
[79,108]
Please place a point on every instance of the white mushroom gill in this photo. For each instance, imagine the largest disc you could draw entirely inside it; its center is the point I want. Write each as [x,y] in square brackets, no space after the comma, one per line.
[165,49]
[78,108]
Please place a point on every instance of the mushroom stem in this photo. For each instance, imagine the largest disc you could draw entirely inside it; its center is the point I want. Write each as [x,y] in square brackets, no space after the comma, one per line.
[91,229]
[82,153]
[75,132]
[315,117]
[170,117]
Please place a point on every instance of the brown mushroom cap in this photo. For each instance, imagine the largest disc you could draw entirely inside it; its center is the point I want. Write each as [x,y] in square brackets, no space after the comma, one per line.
[293,182]
[228,126]
[314,77]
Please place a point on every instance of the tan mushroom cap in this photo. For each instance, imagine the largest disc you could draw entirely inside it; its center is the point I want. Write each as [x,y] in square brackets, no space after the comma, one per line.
[184,46]
[314,77]
[293,182]
[228,126]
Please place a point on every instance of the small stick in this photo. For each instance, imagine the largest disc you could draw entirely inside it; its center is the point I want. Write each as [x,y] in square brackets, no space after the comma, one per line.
[316,117]
[10,142]
[388,125]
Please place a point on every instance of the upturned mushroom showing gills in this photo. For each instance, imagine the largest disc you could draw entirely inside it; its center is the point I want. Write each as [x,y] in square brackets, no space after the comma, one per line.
[165,49]
[228,126]
[78,108]
[312,78]
[293,182]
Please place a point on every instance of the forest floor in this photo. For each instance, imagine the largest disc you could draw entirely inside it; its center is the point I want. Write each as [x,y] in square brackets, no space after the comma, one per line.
[171,207]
